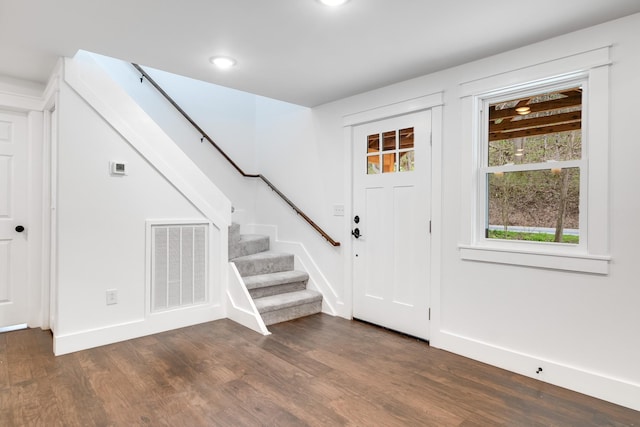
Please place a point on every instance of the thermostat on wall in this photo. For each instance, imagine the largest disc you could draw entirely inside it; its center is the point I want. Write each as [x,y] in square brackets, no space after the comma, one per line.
[118,168]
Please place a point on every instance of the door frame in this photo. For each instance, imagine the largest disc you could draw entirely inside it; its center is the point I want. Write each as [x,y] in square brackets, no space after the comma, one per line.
[433,102]
[49,202]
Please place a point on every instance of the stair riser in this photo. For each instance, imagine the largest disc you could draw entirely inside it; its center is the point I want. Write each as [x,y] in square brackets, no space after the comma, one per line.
[248,248]
[277,289]
[264,266]
[234,238]
[234,234]
[291,313]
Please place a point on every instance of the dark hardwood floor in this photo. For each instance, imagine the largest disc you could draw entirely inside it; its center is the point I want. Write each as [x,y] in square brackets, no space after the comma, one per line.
[319,370]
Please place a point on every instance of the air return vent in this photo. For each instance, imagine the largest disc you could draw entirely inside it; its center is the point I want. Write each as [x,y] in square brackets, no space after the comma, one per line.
[178,265]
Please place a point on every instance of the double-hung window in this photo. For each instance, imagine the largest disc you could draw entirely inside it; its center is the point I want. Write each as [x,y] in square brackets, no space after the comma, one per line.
[538,154]
[532,166]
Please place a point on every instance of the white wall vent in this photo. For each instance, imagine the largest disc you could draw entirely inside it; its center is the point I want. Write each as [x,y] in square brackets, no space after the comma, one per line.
[179,273]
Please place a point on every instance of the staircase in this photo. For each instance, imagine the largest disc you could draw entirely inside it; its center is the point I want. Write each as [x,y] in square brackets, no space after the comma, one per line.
[279,292]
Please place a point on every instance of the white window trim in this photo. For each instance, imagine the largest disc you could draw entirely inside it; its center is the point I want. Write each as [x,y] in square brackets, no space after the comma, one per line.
[591,255]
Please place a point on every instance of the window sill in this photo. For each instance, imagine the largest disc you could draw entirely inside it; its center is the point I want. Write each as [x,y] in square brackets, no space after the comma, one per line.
[556,261]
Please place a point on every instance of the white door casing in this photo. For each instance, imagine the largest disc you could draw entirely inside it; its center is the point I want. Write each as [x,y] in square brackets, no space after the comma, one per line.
[391,258]
[13,213]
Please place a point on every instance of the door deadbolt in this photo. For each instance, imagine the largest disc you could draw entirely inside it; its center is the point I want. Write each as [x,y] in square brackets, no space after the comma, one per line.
[356,219]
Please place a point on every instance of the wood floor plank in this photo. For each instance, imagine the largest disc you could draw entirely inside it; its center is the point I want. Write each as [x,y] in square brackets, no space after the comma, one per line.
[33,405]
[378,388]
[260,406]
[299,399]
[74,394]
[234,416]
[316,371]
[4,363]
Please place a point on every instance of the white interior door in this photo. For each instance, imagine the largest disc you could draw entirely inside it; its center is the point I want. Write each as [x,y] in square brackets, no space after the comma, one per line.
[391,241]
[13,214]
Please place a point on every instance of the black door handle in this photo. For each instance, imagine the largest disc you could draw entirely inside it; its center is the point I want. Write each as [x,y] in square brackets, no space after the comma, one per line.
[19,229]
[356,233]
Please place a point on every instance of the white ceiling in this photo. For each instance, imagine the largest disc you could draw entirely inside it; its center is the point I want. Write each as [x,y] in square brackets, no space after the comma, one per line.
[293,50]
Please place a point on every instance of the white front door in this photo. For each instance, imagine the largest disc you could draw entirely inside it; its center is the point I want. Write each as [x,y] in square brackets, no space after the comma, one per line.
[13,214]
[391,241]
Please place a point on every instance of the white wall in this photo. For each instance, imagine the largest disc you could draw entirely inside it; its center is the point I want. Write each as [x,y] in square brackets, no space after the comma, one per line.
[582,328]
[291,156]
[228,116]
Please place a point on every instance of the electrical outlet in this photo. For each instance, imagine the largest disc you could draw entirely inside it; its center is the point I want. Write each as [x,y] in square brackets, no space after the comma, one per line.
[112,296]
[338,210]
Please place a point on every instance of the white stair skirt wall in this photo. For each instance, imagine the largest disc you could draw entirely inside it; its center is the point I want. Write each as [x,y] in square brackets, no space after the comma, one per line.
[240,305]
[142,134]
[302,261]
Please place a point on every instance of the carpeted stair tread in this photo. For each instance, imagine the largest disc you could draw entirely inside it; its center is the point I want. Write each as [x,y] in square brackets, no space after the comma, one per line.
[274,279]
[290,299]
[263,262]
[264,285]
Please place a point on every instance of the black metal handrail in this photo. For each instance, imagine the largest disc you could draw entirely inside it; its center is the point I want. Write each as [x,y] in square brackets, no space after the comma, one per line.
[299,211]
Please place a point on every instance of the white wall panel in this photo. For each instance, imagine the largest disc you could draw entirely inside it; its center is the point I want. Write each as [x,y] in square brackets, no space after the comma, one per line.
[5,186]
[405,260]
[5,271]
[102,227]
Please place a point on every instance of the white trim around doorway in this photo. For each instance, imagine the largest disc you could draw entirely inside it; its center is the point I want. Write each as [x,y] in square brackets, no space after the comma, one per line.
[435,103]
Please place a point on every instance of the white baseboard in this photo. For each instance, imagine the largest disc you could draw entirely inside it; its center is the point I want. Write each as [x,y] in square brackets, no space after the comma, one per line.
[594,384]
[153,324]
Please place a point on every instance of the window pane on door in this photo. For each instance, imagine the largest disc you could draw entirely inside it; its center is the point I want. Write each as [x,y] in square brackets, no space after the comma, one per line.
[373,165]
[373,143]
[407,160]
[406,138]
[389,162]
[389,140]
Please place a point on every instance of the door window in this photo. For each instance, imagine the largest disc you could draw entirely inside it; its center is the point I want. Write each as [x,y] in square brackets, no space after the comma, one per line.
[390,151]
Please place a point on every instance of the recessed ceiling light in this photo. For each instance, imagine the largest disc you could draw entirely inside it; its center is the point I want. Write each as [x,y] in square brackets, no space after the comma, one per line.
[333,2]
[222,62]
